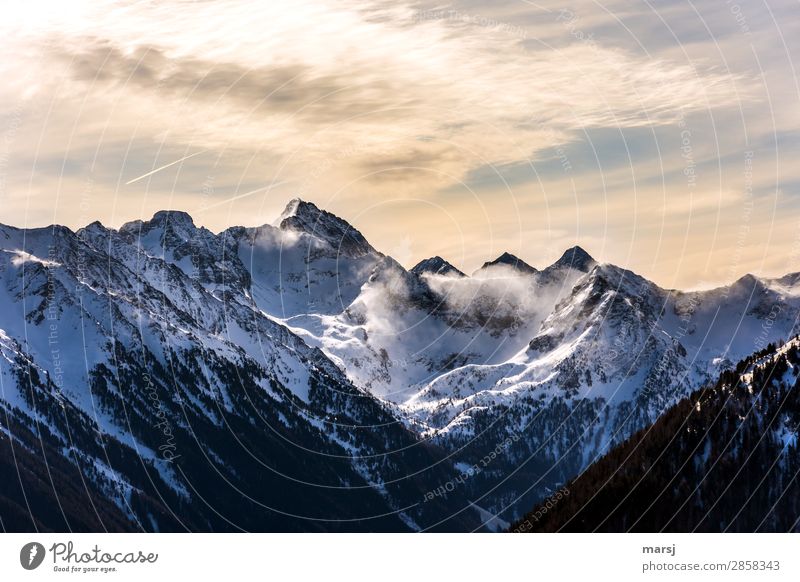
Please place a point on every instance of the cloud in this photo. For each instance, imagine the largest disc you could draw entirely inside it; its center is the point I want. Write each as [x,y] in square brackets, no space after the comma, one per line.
[342,65]
[356,104]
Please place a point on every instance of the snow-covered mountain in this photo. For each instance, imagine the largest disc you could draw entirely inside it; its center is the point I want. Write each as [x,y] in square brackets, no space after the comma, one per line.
[138,357]
[724,458]
[508,260]
[297,352]
[308,262]
[436,266]
[610,358]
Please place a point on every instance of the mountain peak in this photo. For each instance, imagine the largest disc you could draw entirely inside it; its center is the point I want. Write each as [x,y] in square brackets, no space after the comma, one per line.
[306,217]
[575,258]
[175,219]
[93,227]
[512,261]
[95,234]
[748,283]
[436,266]
[300,208]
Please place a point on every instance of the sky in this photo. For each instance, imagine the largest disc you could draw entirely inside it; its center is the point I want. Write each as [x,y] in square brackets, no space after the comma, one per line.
[661,136]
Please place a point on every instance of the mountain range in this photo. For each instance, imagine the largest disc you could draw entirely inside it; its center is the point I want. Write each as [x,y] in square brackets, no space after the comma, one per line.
[291,377]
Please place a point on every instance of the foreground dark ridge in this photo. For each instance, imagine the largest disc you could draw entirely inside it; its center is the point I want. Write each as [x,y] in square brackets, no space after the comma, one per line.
[723,459]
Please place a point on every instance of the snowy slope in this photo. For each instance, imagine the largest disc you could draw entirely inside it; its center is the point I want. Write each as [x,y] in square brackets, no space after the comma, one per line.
[405,329]
[141,356]
[310,261]
[302,332]
[608,360]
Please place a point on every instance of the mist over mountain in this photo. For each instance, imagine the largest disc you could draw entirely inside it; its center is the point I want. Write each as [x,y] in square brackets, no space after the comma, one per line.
[291,377]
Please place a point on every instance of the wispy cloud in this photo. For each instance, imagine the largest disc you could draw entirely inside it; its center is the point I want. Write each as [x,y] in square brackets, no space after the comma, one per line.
[355,102]
[164,167]
[239,197]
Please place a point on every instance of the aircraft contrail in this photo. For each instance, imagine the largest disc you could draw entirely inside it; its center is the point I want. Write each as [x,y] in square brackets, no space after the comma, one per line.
[239,196]
[150,173]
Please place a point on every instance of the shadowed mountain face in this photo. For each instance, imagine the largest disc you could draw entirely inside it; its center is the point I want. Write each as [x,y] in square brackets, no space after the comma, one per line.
[305,217]
[574,258]
[436,266]
[509,260]
[723,459]
[290,377]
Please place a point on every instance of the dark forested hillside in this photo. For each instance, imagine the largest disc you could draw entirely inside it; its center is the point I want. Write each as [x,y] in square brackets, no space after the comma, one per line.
[723,459]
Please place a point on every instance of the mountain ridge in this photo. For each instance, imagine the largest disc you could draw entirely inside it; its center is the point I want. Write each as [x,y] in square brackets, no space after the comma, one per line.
[560,364]
[576,256]
[306,217]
